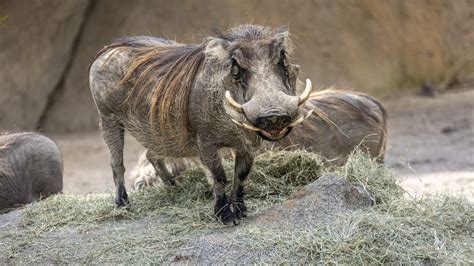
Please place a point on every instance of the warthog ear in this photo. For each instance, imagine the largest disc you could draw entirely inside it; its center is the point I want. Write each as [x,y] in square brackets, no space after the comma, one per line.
[216,48]
[282,39]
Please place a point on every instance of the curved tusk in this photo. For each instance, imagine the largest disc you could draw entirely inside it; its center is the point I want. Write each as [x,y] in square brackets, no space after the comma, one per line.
[306,93]
[245,125]
[233,103]
[301,119]
[250,127]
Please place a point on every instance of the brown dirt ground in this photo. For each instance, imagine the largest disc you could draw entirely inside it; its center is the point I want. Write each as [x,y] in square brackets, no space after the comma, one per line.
[431,147]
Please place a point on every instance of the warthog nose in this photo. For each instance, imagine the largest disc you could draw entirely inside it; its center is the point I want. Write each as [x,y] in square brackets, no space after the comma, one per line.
[273,122]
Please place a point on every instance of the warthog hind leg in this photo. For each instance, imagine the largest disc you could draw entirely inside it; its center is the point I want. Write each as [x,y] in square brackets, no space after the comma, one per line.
[113,134]
[160,168]
[243,164]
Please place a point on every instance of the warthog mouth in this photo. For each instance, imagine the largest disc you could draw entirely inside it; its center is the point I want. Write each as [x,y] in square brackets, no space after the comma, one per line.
[272,135]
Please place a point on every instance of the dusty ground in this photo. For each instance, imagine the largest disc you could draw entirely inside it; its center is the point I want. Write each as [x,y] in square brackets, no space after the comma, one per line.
[431,143]
[431,147]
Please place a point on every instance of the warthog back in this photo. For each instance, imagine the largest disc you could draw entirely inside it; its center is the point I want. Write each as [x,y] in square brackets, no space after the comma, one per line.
[31,168]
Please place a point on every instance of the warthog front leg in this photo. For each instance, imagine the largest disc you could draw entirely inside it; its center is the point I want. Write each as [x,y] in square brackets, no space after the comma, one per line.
[160,168]
[210,158]
[113,134]
[243,164]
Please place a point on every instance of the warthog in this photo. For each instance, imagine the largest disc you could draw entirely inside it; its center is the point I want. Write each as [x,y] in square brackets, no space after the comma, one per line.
[184,100]
[30,168]
[341,122]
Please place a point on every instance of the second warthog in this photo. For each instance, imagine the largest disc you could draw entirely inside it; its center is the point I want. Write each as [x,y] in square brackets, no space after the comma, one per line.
[31,168]
[341,122]
[179,100]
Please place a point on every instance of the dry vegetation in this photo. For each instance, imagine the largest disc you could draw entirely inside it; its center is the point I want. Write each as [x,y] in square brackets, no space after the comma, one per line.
[397,228]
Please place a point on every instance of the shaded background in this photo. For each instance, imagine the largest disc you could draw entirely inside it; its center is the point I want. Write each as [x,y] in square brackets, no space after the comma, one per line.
[380,47]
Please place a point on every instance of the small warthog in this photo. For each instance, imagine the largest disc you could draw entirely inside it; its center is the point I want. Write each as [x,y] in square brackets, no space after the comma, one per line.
[341,122]
[30,168]
[184,100]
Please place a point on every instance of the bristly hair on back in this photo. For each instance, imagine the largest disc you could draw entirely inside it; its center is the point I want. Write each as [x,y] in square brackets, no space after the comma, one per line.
[161,73]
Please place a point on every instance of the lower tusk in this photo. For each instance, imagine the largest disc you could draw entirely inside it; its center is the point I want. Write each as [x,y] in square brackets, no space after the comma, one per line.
[245,125]
[301,119]
[233,103]
[250,127]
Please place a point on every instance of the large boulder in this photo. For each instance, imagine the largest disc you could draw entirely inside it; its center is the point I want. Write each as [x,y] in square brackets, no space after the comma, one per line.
[36,41]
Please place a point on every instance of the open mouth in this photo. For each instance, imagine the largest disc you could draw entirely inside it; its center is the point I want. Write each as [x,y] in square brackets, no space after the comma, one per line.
[271,135]
[274,135]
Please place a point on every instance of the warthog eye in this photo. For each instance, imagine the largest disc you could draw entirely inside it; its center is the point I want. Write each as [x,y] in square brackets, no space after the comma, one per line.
[283,59]
[236,71]
[284,64]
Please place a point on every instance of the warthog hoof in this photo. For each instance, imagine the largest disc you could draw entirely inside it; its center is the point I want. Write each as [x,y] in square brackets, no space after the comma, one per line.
[122,202]
[122,197]
[223,212]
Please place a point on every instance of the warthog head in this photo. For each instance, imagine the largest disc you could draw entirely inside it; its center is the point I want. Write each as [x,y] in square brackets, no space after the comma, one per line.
[260,82]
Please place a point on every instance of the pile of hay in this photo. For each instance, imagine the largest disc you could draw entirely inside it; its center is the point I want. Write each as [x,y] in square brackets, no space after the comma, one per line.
[84,229]
[398,229]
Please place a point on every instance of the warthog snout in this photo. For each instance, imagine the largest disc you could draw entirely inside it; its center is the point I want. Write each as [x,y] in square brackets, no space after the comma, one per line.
[273,122]
[271,116]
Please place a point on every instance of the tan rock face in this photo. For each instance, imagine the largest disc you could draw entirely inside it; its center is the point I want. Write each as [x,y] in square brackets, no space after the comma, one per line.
[36,39]
[373,46]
